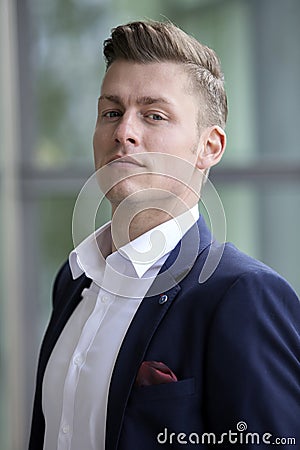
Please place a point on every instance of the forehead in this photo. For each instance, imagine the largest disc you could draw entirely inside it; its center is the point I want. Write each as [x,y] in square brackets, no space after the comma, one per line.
[167,80]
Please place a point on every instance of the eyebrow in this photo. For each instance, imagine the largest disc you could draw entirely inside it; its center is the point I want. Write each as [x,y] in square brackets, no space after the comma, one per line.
[146,100]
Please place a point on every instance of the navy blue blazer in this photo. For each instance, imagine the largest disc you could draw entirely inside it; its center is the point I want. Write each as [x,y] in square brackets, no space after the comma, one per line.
[233,343]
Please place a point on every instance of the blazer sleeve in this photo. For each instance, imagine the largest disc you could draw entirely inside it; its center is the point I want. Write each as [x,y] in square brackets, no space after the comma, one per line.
[253,367]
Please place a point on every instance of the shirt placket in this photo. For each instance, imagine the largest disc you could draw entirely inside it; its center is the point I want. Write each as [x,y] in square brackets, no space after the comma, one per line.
[77,362]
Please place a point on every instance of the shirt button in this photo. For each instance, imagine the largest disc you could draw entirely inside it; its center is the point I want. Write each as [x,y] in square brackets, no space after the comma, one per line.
[104,298]
[66,429]
[78,360]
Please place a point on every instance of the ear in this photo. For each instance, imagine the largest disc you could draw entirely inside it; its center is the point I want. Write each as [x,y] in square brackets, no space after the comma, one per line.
[212,146]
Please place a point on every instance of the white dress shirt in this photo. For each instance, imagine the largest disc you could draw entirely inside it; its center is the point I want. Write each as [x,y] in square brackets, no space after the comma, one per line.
[78,374]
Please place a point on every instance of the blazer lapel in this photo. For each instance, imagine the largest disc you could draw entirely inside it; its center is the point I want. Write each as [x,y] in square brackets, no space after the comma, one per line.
[131,355]
[145,322]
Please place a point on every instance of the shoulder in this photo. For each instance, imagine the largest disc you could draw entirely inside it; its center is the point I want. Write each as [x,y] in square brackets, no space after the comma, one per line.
[236,269]
[227,263]
[235,262]
[240,283]
[254,297]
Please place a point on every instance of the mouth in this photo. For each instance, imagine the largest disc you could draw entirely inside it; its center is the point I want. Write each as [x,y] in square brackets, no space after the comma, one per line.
[125,160]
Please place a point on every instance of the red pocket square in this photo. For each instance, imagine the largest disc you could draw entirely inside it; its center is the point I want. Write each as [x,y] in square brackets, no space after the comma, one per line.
[154,372]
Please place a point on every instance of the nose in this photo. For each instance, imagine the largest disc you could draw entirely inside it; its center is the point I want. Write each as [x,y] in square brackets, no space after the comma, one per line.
[127,130]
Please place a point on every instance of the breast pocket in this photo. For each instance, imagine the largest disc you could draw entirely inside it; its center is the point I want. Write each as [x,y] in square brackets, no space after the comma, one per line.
[176,389]
[153,410]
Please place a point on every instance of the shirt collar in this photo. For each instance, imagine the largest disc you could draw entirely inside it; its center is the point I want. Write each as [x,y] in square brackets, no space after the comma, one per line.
[89,256]
[143,252]
[147,249]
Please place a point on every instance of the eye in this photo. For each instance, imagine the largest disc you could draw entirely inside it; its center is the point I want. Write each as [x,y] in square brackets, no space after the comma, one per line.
[111,114]
[155,116]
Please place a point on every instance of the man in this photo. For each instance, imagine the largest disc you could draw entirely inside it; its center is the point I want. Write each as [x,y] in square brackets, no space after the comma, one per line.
[139,352]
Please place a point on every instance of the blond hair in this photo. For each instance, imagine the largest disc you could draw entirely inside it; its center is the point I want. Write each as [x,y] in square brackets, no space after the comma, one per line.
[151,41]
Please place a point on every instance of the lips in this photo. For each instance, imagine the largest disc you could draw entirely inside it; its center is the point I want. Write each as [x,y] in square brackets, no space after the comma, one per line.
[118,159]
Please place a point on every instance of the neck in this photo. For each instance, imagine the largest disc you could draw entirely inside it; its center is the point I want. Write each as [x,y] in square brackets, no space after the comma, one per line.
[133,222]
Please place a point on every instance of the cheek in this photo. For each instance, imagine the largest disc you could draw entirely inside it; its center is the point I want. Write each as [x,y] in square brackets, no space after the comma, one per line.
[164,143]
[100,142]
[96,138]
[173,141]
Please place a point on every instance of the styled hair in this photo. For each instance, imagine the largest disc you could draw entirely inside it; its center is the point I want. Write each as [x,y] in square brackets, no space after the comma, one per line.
[150,41]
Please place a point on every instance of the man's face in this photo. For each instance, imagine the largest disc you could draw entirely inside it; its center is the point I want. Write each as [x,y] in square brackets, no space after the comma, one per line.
[146,110]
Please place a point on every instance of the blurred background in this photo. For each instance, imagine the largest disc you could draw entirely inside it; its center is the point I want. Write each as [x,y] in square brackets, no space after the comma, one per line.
[51,70]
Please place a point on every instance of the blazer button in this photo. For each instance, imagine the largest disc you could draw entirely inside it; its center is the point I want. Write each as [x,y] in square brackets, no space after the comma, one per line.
[163,299]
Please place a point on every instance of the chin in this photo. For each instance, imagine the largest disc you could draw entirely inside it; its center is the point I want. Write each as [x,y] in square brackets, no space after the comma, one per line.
[118,194]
